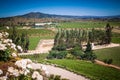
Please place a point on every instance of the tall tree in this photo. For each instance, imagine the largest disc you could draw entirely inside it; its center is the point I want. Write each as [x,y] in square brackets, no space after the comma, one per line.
[108,30]
[88,47]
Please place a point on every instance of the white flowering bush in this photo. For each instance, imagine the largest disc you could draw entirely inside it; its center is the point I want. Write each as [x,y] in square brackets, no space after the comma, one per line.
[7,48]
[20,69]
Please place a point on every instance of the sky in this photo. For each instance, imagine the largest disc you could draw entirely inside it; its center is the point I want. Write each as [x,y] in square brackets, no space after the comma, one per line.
[62,7]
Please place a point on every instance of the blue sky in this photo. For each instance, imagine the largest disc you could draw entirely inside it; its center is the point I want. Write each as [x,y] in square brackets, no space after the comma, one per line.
[62,7]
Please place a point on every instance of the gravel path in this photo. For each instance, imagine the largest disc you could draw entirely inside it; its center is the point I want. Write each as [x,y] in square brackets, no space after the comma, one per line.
[62,72]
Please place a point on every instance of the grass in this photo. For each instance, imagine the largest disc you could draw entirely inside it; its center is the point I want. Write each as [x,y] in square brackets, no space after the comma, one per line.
[33,42]
[115,39]
[36,57]
[88,69]
[109,53]
[35,32]
[86,24]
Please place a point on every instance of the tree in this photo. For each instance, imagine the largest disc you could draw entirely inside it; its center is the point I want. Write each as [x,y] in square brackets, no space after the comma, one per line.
[27,44]
[89,55]
[88,47]
[108,30]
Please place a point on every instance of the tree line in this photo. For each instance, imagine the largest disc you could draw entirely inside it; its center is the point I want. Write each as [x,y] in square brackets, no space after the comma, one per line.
[21,39]
[72,41]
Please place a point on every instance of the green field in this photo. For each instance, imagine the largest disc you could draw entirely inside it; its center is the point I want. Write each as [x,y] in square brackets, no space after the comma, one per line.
[88,69]
[116,37]
[33,42]
[109,53]
[36,57]
[35,32]
[86,24]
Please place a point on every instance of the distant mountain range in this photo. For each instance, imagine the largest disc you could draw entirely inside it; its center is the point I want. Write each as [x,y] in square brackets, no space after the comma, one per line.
[37,17]
[43,15]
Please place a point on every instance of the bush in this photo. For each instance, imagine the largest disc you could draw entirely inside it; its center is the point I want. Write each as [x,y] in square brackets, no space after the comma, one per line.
[57,54]
[76,53]
[89,56]
[59,47]
[108,61]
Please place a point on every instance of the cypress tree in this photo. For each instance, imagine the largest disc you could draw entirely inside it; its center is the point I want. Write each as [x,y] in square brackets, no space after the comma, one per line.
[108,30]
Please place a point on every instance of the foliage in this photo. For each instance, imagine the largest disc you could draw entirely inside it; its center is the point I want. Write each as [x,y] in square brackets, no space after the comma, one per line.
[108,30]
[77,52]
[5,55]
[88,47]
[89,55]
[59,47]
[20,39]
[107,61]
[88,69]
[57,54]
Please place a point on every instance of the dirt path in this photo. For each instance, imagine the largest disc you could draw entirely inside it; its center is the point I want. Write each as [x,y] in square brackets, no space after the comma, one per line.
[109,65]
[62,72]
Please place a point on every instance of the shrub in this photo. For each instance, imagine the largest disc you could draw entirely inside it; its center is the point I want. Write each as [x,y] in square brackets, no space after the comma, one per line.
[59,47]
[57,54]
[77,53]
[89,56]
[108,61]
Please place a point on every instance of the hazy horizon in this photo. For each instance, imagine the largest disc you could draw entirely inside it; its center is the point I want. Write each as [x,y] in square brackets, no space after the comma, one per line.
[10,8]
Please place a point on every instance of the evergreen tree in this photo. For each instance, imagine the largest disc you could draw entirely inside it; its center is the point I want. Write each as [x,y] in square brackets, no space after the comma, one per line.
[88,47]
[27,44]
[108,30]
